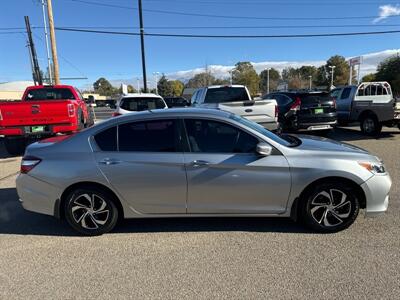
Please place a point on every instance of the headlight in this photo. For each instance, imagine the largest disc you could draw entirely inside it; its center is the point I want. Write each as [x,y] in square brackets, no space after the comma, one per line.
[376,168]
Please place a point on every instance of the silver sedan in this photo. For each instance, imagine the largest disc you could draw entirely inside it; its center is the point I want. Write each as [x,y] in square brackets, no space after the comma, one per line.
[195,163]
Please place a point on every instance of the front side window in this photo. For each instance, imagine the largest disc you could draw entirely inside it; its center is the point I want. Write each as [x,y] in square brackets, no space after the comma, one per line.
[149,136]
[209,136]
[346,93]
[141,104]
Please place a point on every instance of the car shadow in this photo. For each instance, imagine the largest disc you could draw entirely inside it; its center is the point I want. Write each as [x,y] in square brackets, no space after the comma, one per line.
[14,220]
[3,151]
[350,134]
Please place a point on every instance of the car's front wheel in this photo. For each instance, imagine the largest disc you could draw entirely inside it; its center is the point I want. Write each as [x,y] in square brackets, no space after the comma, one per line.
[330,207]
[91,211]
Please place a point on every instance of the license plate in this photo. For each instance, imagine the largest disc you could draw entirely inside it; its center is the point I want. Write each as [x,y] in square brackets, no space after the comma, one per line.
[37,128]
[319,111]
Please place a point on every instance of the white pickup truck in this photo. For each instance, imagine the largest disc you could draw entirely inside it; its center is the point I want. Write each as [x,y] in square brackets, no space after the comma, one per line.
[370,103]
[237,100]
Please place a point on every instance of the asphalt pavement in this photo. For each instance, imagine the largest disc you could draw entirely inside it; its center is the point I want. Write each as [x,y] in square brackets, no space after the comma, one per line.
[227,258]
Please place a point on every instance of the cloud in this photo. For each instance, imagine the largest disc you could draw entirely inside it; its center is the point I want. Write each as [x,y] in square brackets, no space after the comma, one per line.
[386,11]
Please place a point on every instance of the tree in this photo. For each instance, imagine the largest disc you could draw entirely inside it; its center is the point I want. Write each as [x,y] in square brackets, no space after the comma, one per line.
[131,89]
[389,70]
[177,87]
[369,77]
[103,87]
[274,78]
[321,78]
[342,70]
[201,80]
[164,87]
[219,81]
[245,74]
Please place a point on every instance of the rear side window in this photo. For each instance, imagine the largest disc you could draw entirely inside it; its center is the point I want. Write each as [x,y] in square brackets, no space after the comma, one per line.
[226,94]
[281,99]
[141,104]
[151,136]
[107,139]
[346,93]
[50,94]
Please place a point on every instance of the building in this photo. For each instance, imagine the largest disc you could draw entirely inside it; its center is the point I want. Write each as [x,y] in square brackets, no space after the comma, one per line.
[13,90]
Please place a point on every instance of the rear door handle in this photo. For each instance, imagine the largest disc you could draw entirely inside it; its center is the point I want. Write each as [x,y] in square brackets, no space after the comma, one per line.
[109,161]
[199,163]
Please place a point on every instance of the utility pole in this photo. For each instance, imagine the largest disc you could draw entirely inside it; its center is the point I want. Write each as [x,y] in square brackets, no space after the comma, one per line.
[142,46]
[37,77]
[53,42]
[47,43]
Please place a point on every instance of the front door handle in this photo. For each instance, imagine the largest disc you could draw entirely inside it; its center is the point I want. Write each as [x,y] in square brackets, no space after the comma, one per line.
[109,161]
[199,163]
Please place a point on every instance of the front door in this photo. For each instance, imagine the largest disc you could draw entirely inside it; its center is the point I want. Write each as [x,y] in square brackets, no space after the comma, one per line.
[226,176]
[147,168]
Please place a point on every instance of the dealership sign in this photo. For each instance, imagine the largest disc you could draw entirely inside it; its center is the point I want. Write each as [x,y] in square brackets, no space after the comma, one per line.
[355,61]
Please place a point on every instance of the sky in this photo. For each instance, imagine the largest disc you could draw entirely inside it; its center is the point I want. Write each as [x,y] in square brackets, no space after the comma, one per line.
[118,58]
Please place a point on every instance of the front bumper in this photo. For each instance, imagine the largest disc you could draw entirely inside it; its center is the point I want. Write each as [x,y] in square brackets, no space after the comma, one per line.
[376,191]
[36,195]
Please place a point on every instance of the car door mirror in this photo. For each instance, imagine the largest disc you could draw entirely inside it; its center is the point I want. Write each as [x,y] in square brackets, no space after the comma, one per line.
[264,149]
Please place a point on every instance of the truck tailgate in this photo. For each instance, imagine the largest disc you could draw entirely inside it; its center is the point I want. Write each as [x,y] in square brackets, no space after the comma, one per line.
[34,113]
[260,111]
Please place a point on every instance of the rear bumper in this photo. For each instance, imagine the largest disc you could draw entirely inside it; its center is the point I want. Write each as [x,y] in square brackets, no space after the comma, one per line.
[317,126]
[25,131]
[376,191]
[36,195]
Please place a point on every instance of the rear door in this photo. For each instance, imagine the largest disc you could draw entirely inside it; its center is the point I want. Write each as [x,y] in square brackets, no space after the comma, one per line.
[344,100]
[316,108]
[225,175]
[147,167]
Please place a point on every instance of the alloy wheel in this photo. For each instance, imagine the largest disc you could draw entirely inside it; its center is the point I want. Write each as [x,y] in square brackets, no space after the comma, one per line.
[90,211]
[330,207]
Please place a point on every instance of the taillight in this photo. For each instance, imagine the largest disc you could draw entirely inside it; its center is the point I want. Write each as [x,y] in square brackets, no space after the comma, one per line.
[296,105]
[276,111]
[1,116]
[334,102]
[28,163]
[71,110]
[116,114]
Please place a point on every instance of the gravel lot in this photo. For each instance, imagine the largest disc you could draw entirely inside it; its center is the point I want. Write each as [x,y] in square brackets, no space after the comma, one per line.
[40,257]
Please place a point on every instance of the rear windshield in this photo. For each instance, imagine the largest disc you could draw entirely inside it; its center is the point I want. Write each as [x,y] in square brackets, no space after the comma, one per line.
[49,94]
[226,94]
[315,98]
[140,104]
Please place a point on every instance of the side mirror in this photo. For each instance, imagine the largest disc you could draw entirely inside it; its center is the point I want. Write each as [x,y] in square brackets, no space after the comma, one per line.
[264,149]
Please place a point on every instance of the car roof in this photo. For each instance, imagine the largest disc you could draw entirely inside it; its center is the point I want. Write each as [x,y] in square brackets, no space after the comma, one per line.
[225,85]
[140,95]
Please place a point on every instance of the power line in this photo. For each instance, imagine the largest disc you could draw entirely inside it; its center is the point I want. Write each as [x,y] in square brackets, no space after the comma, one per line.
[276,3]
[231,36]
[225,16]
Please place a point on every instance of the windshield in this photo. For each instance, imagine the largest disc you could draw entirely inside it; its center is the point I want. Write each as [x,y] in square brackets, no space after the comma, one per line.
[226,94]
[140,104]
[49,94]
[287,141]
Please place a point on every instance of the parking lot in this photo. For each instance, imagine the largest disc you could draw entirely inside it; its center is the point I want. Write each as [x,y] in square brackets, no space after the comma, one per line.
[202,258]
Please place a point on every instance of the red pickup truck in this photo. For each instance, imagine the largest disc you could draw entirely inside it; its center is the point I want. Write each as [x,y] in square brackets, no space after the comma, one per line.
[44,111]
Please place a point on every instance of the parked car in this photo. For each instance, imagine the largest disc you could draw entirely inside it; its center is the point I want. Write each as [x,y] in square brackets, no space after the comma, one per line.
[198,162]
[43,111]
[236,99]
[371,104]
[137,102]
[176,102]
[305,110]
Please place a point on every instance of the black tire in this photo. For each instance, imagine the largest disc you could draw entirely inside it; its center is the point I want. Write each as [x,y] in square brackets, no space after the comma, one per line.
[15,146]
[322,214]
[370,125]
[87,218]
[90,121]
[81,120]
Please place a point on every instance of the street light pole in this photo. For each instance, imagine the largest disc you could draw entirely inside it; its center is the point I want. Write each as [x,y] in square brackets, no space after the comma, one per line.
[230,74]
[142,46]
[332,73]
[268,80]
[156,74]
[310,77]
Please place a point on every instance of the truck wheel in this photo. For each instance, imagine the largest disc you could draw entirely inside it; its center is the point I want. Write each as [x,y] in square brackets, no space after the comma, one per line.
[81,121]
[15,146]
[369,125]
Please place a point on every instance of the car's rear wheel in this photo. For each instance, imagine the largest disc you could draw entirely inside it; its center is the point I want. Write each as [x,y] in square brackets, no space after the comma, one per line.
[91,211]
[15,146]
[370,125]
[329,207]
